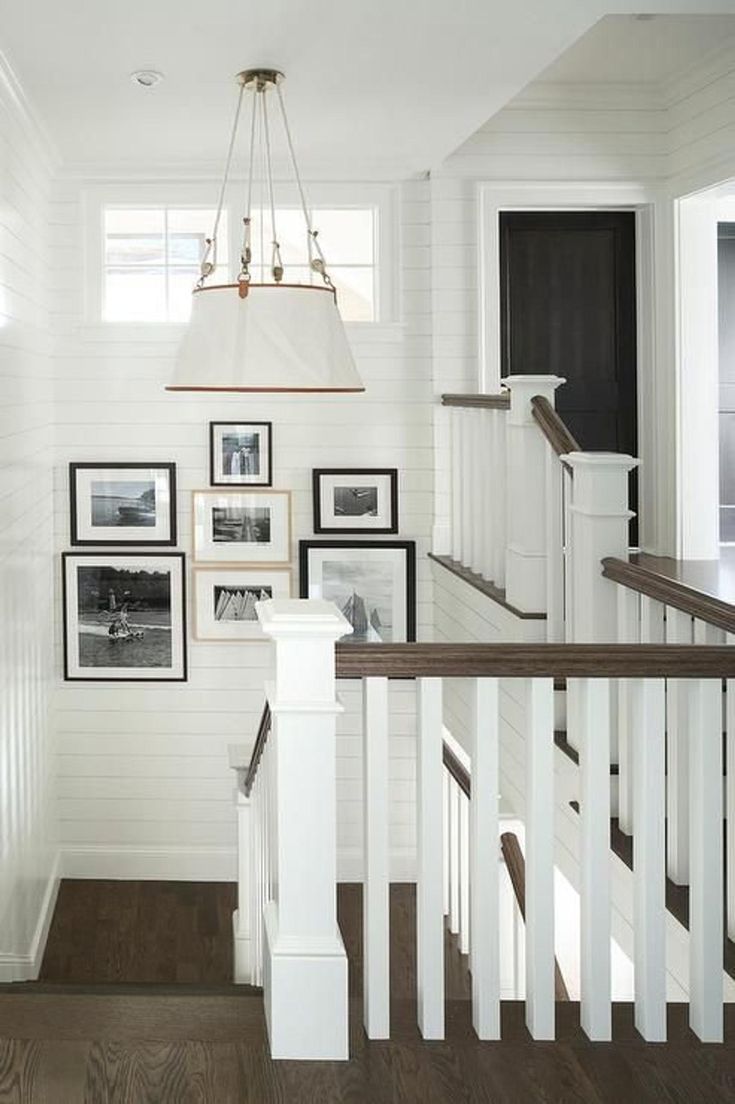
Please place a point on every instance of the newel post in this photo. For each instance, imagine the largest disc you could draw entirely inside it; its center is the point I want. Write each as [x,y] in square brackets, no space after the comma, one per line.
[599,527]
[305,965]
[525,557]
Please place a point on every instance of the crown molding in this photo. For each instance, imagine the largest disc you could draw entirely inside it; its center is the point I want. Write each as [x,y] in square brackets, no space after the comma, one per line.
[13,93]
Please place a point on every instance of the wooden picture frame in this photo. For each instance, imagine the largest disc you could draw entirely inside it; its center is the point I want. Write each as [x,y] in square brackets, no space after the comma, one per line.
[355,500]
[224,454]
[122,504]
[224,598]
[372,582]
[241,527]
[124,616]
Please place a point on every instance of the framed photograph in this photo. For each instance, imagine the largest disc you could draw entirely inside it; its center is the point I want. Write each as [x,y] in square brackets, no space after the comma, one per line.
[240,454]
[224,600]
[124,616]
[120,504]
[355,500]
[242,526]
[372,582]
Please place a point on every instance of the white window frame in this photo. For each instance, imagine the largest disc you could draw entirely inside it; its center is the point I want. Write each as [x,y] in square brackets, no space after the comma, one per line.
[340,196]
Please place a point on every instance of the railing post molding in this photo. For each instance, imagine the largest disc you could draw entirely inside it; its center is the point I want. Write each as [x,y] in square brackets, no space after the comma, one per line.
[305,964]
[525,557]
[599,528]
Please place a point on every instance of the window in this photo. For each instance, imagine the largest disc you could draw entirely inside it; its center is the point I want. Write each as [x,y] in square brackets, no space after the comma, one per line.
[145,245]
[347,238]
[151,261]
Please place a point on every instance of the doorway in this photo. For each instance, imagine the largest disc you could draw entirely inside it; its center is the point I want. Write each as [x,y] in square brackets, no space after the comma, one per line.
[568,308]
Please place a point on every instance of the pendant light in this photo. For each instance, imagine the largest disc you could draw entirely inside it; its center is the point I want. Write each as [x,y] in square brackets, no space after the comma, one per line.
[274,335]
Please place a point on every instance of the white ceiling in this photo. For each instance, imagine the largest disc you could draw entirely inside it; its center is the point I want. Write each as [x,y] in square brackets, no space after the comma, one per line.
[375,88]
[649,50]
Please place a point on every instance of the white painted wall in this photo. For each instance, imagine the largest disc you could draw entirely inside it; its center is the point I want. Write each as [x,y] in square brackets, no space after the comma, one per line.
[27,854]
[144,784]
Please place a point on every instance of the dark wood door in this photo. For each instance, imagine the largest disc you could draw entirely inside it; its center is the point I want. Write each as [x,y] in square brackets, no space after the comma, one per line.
[568,305]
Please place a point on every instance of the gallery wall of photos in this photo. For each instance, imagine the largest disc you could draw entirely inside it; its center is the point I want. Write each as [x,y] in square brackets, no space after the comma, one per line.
[124,585]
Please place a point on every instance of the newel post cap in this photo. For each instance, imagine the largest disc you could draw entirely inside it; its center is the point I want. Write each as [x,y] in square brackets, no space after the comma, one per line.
[600,461]
[523,389]
[285,618]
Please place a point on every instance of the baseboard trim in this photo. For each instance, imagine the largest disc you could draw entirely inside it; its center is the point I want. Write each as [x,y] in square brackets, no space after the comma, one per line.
[176,864]
[26,967]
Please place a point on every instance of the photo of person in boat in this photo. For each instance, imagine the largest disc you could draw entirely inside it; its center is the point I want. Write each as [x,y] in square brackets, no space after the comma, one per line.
[124,617]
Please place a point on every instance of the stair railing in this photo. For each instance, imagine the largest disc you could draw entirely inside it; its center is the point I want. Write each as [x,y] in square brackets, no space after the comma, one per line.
[303,962]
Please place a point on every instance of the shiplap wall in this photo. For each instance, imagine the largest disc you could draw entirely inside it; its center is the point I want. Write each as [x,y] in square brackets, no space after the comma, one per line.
[144,785]
[27,855]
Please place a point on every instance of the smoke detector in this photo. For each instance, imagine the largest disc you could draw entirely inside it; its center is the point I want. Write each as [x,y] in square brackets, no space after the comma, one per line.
[146,78]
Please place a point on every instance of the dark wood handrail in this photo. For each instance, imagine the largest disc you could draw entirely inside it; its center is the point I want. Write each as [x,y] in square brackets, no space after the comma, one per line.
[459,773]
[553,428]
[671,592]
[484,402]
[516,867]
[535,660]
[261,740]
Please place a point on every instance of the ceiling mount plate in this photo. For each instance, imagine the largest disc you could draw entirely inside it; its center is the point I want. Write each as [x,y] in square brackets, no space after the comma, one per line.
[261,78]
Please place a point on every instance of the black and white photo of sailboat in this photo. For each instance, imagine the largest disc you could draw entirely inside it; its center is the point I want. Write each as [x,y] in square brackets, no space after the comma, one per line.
[363,591]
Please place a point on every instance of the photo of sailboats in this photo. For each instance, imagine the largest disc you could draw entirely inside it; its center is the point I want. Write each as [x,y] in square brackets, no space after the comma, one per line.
[364,594]
[237,603]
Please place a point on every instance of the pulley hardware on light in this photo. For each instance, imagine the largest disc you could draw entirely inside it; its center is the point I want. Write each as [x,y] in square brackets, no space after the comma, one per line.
[275,336]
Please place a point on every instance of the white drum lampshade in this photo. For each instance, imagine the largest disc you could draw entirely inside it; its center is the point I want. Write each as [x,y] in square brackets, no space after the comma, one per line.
[258,336]
[278,337]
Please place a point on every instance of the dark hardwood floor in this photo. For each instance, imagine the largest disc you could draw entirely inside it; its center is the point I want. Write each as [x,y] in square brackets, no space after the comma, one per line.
[159,933]
[70,1044]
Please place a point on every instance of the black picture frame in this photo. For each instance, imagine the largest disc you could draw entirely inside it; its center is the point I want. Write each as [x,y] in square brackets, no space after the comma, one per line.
[244,482]
[407,547]
[178,602]
[320,524]
[79,541]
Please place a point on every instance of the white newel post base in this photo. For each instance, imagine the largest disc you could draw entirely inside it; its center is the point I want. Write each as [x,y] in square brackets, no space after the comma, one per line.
[305,964]
[599,528]
[525,556]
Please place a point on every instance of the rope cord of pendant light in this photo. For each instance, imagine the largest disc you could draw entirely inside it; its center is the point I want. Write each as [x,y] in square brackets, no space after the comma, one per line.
[246,253]
[276,262]
[316,263]
[207,266]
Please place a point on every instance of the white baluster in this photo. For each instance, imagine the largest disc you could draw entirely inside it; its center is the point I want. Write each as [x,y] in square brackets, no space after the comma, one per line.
[456,429]
[652,620]
[499,478]
[453,857]
[649,857]
[484,861]
[376,889]
[540,1015]
[678,631]
[730,798]
[479,494]
[594,708]
[446,780]
[554,549]
[705,885]
[467,490]
[429,919]
[464,874]
[628,619]
[704,633]
[567,479]
[242,920]
[490,493]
